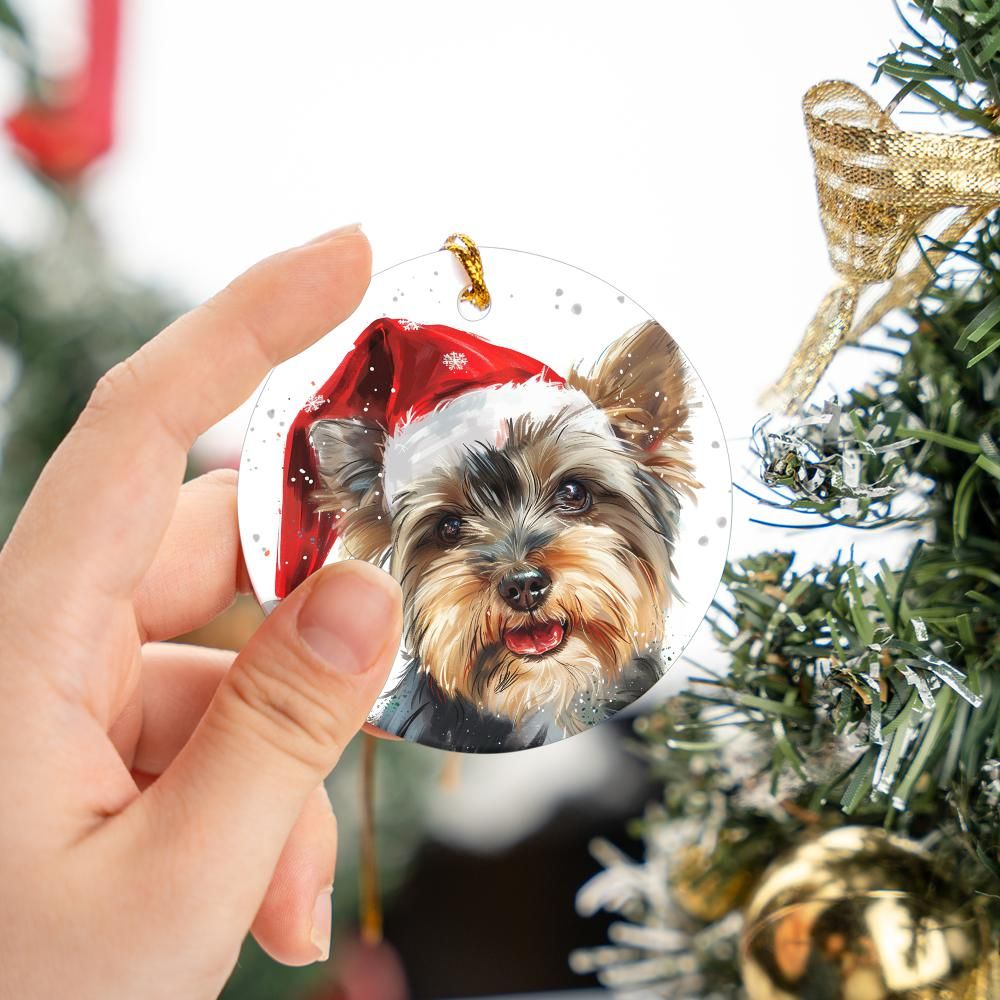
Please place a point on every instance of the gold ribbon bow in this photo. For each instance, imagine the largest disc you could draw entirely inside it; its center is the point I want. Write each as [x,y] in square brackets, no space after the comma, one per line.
[878,186]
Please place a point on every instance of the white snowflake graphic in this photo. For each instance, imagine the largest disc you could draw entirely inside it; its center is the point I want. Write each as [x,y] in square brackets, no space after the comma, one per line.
[314,403]
[455,361]
[408,324]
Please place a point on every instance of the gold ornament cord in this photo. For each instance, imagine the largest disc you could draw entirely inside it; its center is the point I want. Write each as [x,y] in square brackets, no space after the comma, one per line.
[878,187]
[467,252]
[370,895]
[371,901]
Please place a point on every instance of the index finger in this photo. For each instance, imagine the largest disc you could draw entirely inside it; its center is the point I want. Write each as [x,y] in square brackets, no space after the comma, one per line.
[103,502]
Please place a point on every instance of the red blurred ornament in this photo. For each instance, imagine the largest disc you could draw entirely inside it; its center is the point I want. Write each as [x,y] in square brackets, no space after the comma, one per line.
[63,136]
[366,972]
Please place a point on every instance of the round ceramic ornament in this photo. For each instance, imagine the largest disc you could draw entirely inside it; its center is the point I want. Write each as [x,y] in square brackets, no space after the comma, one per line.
[546,478]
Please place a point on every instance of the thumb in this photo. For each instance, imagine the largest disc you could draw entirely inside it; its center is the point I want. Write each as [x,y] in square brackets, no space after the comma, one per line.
[277,725]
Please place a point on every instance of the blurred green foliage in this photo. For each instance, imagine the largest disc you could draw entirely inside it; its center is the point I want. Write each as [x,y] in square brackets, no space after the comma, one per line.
[66,316]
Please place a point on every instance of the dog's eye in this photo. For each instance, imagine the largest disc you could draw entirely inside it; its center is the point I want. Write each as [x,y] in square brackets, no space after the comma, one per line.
[572,497]
[449,528]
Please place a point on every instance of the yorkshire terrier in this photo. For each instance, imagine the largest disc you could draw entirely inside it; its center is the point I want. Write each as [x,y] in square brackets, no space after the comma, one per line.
[536,567]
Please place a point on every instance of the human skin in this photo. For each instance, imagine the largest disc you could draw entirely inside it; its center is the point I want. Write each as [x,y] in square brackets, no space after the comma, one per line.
[159,801]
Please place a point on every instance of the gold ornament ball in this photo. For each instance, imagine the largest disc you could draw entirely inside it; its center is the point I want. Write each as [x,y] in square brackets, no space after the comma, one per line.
[859,914]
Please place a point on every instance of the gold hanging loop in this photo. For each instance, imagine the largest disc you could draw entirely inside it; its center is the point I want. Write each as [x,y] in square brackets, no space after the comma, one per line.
[467,252]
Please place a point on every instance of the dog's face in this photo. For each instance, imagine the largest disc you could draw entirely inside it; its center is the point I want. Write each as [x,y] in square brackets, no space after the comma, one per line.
[534,566]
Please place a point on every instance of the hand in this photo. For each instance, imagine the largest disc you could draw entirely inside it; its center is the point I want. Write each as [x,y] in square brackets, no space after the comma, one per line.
[159,800]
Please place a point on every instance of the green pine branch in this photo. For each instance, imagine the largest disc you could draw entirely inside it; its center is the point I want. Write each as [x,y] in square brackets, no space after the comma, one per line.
[951,60]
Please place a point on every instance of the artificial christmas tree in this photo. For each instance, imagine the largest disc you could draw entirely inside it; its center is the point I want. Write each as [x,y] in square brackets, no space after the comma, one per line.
[856,696]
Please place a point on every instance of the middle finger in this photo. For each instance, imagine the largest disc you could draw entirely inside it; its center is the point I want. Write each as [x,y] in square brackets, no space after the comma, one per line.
[198,568]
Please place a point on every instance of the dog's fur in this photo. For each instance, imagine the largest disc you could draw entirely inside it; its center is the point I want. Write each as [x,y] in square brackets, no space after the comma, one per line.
[610,566]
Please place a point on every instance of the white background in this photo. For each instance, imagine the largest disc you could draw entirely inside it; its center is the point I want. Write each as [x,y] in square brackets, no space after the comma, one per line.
[658,145]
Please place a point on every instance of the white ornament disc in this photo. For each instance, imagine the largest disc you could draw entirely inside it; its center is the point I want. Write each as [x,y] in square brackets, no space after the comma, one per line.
[548,481]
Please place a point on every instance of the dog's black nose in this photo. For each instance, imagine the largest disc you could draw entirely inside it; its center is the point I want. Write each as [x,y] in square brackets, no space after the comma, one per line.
[524,589]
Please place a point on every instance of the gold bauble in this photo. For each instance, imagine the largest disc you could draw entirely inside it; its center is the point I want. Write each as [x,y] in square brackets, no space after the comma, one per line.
[859,914]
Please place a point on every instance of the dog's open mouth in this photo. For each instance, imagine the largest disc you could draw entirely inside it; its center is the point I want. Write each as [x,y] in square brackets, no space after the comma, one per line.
[534,639]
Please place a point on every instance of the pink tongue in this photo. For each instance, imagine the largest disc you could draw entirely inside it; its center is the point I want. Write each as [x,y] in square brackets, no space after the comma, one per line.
[534,640]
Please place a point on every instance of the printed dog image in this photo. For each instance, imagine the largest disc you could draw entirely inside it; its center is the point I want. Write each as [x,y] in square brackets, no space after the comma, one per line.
[531,523]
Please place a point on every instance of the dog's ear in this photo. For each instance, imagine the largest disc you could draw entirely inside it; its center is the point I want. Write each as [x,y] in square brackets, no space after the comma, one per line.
[640,382]
[348,456]
[349,464]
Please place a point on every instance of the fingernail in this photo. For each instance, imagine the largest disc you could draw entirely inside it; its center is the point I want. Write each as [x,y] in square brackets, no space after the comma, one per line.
[333,234]
[345,616]
[322,923]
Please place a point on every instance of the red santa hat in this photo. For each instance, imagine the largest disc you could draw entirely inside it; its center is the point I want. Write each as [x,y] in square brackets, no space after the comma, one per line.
[432,390]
